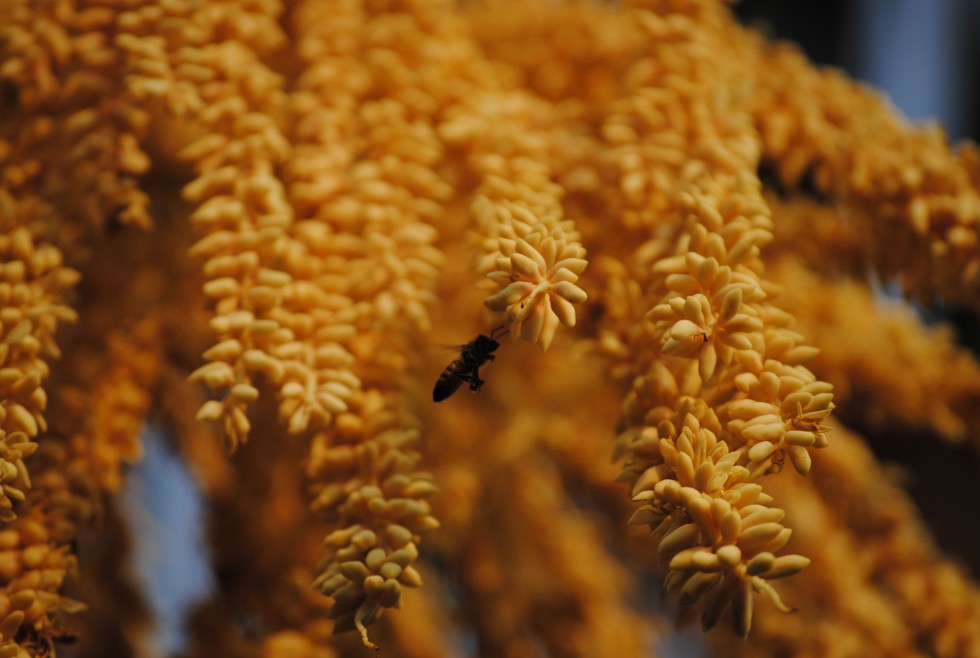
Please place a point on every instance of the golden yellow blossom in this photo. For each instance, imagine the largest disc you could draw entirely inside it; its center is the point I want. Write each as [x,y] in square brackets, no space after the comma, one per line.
[263,214]
[33,284]
[537,273]
[718,533]
[710,329]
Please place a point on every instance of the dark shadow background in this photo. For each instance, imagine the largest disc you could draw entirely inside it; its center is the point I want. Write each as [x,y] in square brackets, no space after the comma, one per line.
[921,52]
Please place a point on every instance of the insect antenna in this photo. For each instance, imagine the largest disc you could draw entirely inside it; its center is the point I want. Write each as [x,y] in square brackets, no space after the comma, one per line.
[494,335]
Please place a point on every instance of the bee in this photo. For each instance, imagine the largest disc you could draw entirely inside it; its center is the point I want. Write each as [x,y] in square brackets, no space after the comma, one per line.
[466,368]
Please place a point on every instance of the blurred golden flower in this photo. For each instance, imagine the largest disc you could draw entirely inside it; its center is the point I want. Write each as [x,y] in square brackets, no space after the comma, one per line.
[341,174]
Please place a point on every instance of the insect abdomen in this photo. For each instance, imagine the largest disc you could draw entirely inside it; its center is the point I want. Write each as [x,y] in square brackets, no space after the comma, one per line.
[448,383]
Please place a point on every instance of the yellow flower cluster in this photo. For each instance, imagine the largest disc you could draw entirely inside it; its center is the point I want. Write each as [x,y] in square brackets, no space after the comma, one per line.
[719,534]
[33,282]
[907,182]
[720,397]
[323,185]
[864,604]
[537,271]
[101,395]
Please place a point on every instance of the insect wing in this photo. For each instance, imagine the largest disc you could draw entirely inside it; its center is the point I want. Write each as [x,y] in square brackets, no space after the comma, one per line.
[446,347]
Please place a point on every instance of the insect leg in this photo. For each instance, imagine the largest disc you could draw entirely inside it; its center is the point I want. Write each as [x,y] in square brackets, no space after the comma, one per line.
[475,382]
